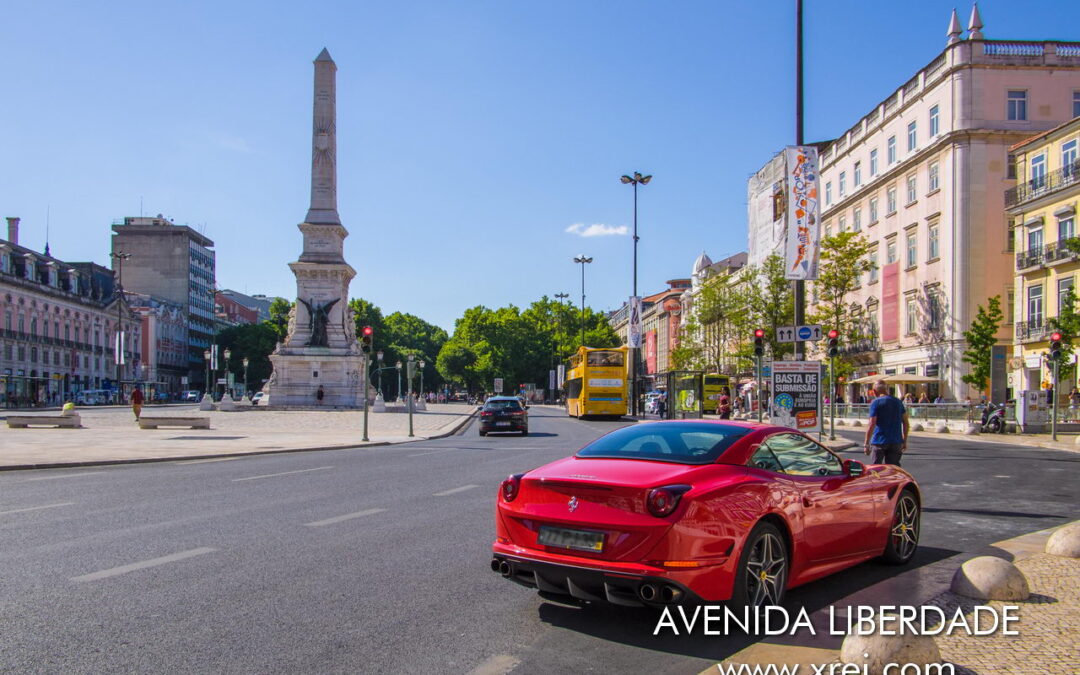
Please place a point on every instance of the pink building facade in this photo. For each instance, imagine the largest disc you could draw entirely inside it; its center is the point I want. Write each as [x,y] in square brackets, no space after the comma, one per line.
[922,177]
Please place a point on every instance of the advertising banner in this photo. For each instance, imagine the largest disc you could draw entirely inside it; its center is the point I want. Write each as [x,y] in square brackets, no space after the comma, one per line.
[796,395]
[803,214]
[890,302]
[634,327]
[650,352]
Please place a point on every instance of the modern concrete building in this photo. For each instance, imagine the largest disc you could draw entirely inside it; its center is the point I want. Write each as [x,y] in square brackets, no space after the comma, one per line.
[259,303]
[164,343]
[59,327]
[176,264]
[922,176]
[1042,211]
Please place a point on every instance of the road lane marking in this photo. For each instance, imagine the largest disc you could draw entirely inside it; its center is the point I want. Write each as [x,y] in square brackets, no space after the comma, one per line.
[499,664]
[347,516]
[35,508]
[283,473]
[153,562]
[204,461]
[453,491]
[436,452]
[66,475]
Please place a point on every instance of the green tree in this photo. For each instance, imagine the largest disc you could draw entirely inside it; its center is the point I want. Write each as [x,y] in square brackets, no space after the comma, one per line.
[772,303]
[1067,322]
[255,341]
[845,257]
[981,338]
[279,317]
[367,314]
[717,334]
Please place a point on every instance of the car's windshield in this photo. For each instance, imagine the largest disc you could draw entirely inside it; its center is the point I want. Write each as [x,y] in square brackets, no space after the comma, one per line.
[503,405]
[679,442]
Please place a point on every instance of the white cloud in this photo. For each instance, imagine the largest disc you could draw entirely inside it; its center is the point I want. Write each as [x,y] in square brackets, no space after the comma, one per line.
[233,143]
[598,230]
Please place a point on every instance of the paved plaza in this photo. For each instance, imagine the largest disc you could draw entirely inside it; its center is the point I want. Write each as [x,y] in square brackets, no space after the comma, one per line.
[111,433]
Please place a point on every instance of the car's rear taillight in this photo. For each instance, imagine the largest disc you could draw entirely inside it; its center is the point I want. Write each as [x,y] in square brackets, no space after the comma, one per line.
[663,501]
[510,486]
[486,414]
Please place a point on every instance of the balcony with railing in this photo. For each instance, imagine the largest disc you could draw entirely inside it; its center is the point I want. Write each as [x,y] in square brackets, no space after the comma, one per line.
[861,346]
[1032,330]
[1042,186]
[1048,254]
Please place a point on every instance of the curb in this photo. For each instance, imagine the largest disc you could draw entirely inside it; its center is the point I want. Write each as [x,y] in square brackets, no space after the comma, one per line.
[458,427]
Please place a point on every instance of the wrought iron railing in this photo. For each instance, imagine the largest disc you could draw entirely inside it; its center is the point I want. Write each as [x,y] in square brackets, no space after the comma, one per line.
[1043,185]
[1031,330]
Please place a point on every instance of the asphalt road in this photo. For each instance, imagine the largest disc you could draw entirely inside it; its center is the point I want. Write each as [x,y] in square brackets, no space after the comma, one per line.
[376,560]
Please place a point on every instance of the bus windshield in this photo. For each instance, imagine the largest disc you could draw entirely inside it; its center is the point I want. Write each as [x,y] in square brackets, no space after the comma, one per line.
[605,359]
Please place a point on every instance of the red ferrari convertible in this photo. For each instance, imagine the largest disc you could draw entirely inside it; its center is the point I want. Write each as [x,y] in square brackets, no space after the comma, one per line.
[699,511]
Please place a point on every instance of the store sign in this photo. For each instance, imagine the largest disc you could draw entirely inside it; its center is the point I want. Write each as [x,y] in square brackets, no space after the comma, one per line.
[796,395]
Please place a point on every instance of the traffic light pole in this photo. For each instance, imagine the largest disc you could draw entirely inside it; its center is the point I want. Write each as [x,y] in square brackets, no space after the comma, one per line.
[760,391]
[1053,402]
[832,398]
[363,392]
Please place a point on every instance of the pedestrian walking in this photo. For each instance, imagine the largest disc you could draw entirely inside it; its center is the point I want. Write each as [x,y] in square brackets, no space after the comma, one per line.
[887,432]
[319,394]
[137,402]
[724,405]
[661,405]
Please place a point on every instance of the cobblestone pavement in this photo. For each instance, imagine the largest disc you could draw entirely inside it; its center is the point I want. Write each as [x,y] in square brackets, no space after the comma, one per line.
[111,434]
[1048,642]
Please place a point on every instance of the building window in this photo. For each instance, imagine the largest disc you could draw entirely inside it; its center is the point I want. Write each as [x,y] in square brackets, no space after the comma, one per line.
[912,250]
[1010,237]
[936,315]
[912,137]
[934,128]
[1065,287]
[1017,105]
[828,193]
[912,316]
[842,224]
[932,243]
[856,174]
[843,183]
[1066,228]
[1068,157]
[828,230]
[1076,104]
[890,151]
[874,267]
[911,193]
[890,251]
[1038,171]
[1010,166]
[890,200]
[873,162]
[873,210]
[856,220]
[1010,304]
[934,183]
[1035,240]
[1035,305]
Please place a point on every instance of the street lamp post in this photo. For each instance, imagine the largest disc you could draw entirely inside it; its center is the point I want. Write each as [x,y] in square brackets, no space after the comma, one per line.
[409,371]
[582,260]
[245,362]
[206,386]
[119,257]
[635,180]
[555,343]
[379,356]
[422,364]
[398,392]
[225,387]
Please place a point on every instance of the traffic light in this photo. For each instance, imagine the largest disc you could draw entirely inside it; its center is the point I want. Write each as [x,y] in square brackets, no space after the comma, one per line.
[366,336]
[834,343]
[759,342]
[1055,346]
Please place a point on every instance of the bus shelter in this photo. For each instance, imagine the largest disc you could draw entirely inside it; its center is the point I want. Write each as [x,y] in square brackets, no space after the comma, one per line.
[684,391]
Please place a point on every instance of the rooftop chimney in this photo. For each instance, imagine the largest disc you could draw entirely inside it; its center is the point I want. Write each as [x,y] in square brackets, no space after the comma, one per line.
[13,230]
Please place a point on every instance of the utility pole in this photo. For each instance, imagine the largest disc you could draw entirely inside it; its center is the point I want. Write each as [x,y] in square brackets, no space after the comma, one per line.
[799,285]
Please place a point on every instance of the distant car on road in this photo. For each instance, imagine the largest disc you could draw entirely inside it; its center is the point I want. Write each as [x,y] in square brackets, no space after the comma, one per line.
[190,395]
[257,397]
[663,513]
[504,413]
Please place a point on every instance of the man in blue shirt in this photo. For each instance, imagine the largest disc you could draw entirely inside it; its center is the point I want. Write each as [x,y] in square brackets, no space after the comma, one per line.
[887,432]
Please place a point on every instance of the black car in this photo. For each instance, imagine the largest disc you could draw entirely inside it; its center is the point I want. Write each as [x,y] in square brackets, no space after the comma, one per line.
[504,413]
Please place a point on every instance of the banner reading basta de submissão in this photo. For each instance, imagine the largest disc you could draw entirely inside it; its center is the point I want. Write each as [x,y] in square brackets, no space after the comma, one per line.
[796,395]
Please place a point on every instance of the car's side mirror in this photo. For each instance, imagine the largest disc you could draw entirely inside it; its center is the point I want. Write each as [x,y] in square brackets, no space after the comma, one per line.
[854,468]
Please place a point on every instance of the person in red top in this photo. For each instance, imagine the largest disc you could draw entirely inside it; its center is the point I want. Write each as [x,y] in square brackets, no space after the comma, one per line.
[136,402]
[724,405]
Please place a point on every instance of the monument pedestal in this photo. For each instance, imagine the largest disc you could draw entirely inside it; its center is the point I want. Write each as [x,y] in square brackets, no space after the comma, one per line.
[300,372]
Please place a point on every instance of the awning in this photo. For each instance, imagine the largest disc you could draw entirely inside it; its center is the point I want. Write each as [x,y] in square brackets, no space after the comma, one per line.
[902,378]
[867,379]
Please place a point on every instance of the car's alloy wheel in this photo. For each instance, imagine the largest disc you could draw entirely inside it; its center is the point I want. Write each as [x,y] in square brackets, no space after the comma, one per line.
[763,568]
[904,533]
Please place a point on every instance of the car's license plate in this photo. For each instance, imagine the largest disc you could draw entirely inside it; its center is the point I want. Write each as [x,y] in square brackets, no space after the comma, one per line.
[502,424]
[575,539]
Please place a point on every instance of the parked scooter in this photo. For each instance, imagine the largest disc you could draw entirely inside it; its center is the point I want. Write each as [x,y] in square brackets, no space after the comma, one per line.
[993,418]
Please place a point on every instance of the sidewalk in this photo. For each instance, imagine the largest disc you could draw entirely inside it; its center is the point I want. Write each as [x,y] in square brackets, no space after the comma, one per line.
[110,435]
[1047,642]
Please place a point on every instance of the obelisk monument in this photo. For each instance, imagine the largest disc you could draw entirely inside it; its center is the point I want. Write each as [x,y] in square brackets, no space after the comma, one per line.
[319,362]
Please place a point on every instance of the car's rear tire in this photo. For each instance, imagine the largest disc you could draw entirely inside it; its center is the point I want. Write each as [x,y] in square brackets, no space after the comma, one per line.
[525,432]
[903,538]
[483,433]
[762,574]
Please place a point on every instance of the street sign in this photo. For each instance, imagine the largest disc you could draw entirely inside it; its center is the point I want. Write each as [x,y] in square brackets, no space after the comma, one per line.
[498,385]
[796,395]
[807,333]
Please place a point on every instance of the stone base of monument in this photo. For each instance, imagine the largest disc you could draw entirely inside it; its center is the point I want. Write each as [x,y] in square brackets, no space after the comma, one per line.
[379,405]
[298,376]
[207,403]
[421,405]
[227,404]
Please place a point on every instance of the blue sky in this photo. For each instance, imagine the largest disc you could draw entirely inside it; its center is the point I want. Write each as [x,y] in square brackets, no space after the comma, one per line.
[471,135]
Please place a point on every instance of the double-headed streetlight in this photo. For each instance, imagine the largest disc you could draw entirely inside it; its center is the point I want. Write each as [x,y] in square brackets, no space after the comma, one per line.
[555,343]
[583,261]
[635,180]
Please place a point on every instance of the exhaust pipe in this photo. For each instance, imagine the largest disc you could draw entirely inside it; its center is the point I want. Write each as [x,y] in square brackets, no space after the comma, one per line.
[670,594]
[494,564]
[505,569]
[647,592]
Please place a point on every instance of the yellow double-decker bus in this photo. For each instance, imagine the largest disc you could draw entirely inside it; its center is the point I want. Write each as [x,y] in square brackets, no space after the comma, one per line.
[596,382]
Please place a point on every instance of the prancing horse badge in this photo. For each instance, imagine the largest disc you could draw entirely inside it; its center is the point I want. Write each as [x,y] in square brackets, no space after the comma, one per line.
[572,504]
